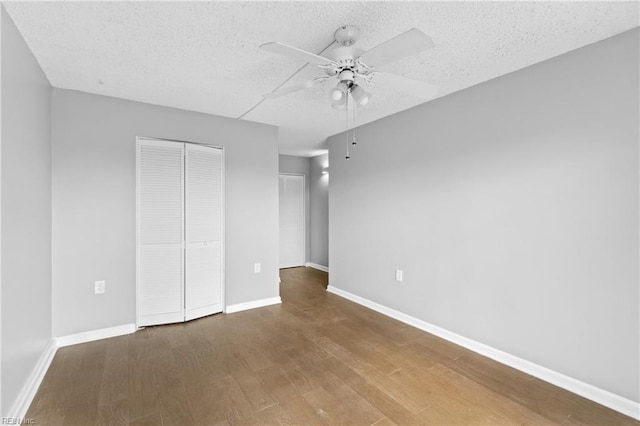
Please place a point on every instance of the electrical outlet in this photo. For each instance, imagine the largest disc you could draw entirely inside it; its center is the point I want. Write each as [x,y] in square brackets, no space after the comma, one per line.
[100,287]
[399,275]
[256,268]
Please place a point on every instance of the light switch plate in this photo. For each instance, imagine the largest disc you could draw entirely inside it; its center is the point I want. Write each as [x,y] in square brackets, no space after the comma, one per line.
[100,287]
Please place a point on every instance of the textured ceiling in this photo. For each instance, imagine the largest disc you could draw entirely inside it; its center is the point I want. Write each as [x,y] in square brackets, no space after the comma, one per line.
[204,56]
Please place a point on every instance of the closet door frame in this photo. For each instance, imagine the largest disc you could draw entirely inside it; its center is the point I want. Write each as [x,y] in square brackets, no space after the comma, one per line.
[223,262]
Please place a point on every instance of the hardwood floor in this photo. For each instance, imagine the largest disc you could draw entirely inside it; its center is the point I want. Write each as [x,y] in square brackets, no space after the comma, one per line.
[314,359]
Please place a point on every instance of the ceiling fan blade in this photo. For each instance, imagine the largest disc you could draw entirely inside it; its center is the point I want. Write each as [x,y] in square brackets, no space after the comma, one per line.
[295,87]
[418,88]
[406,44]
[294,52]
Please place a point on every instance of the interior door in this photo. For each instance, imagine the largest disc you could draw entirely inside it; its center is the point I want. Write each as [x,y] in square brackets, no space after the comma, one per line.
[203,231]
[292,244]
[160,232]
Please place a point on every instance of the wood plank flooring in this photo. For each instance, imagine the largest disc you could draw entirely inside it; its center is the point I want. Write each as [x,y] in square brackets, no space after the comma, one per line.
[315,359]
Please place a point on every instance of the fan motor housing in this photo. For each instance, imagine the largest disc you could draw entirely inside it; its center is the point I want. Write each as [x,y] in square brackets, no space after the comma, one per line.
[347,76]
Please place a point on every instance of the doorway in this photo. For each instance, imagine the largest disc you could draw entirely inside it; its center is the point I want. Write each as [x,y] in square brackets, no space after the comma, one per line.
[292,220]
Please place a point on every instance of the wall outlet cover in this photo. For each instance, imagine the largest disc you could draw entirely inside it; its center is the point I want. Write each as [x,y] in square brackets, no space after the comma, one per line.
[100,287]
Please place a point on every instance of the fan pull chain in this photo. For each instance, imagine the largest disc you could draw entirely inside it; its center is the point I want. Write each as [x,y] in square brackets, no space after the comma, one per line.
[355,107]
[347,132]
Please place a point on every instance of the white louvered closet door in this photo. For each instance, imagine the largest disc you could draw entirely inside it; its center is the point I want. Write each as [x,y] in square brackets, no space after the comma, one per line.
[203,231]
[160,232]
[179,231]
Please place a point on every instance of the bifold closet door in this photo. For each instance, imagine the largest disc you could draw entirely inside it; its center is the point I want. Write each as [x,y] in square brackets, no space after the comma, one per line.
[160,227]
[203,231]
[180,233]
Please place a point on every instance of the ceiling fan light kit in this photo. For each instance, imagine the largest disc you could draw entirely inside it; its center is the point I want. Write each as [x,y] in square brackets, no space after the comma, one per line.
[351,66]
[339,93]
[359,95]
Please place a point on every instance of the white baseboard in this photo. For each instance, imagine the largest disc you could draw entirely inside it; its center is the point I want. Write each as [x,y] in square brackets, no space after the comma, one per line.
[90,336]
[25,397]
[316,266]
[252,305]
[601,396]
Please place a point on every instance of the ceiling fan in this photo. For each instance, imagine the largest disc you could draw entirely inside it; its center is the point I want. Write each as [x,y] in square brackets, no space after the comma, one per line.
[351,65]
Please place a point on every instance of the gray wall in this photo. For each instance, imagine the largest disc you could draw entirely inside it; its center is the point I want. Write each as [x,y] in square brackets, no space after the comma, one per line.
[319,217]
[26,212]
[512,208]
[300,166]
[94,203]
